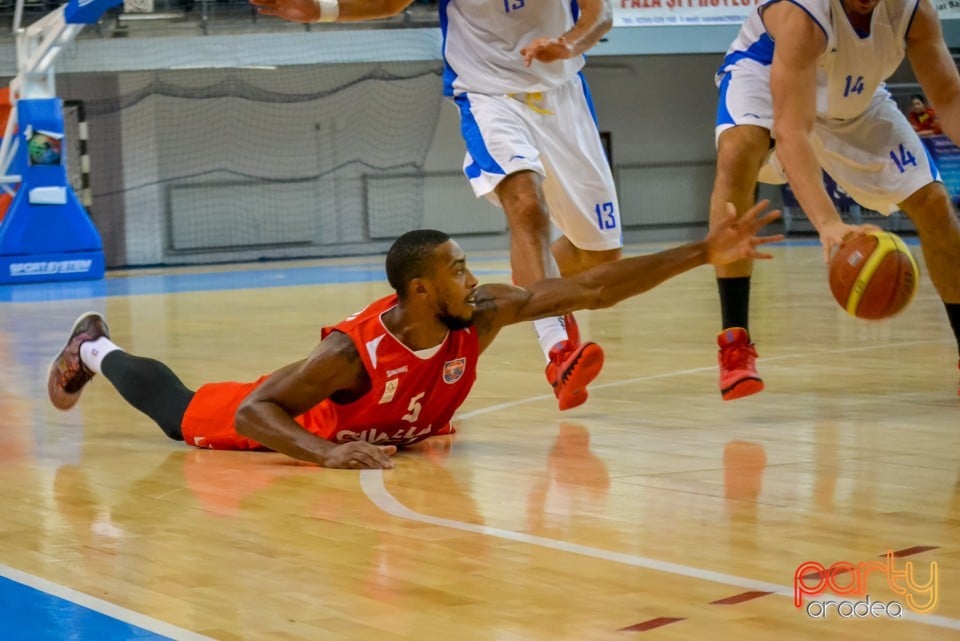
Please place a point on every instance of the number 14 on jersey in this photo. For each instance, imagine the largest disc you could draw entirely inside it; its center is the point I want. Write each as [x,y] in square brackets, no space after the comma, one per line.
[854,85]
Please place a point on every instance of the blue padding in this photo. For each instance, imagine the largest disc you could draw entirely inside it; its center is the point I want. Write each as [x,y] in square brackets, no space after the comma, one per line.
[87,11]
[41,229]
[42,113]
[46,234]
[41,268]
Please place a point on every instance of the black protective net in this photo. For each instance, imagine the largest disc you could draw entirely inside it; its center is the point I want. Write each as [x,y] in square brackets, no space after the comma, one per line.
[213,165]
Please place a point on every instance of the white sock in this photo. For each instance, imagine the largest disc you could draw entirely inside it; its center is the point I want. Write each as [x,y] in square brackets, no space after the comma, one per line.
[92,352]
[550,331]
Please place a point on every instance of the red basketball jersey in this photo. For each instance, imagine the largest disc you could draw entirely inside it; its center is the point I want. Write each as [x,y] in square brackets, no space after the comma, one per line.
[411,396]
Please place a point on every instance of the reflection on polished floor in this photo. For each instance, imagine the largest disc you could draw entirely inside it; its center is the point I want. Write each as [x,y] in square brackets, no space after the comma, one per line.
[655,511]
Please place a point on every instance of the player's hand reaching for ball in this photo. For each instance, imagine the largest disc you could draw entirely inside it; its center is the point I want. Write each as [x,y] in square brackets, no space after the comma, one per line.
[292,10]
[836,233]
[735,236]
[360,455]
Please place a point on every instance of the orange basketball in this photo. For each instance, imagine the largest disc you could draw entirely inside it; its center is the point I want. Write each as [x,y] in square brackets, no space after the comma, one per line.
[874,276]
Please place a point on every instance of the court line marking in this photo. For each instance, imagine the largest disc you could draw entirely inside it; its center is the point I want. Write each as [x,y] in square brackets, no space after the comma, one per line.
[371,482]
[99,605]
[696,370]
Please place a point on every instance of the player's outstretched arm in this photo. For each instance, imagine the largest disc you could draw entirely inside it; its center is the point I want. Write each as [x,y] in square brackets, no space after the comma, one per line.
[267,415]
[733,239]
[594,22]
[934,68]
[330,10]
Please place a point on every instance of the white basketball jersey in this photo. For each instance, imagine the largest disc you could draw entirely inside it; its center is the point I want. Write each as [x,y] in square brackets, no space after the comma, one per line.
[852,68]
[482,40]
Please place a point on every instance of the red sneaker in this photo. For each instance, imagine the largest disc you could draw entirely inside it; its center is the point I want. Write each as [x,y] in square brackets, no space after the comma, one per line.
[571,368]
[67,374]
[738,364]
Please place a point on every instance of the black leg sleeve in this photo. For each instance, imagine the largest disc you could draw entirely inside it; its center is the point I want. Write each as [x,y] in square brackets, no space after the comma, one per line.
[953,313]
[734,301]
[151,387]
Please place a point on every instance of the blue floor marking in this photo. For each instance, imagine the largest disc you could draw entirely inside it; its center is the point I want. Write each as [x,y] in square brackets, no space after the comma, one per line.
[135,284]
[28,614]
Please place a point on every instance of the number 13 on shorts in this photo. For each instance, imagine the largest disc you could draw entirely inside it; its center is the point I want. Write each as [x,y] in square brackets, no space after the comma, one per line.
[606,215]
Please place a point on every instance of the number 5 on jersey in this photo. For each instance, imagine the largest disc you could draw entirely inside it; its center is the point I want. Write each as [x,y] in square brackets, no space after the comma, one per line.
[414,408]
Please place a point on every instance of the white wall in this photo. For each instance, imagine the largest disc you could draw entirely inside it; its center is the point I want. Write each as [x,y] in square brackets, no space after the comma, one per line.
[662,139]
[659,110]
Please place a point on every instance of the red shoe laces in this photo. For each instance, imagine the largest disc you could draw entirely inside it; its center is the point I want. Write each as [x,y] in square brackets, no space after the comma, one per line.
[737,355]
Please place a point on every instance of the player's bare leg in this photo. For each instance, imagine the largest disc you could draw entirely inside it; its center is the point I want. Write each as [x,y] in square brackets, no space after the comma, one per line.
[740,152]
[524,205]
[571,365]
[572,260]
[932,214]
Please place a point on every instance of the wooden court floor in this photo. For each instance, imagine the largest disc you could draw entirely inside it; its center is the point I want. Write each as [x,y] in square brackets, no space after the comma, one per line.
[655,511]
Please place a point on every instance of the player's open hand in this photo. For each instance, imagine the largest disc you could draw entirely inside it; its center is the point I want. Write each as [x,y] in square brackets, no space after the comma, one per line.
[292,10]
[735,236]
[835,234]
[360,455]
[546,50]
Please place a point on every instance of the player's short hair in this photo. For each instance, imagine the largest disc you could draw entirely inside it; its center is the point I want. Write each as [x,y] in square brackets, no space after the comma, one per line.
[411,257]
[918,96]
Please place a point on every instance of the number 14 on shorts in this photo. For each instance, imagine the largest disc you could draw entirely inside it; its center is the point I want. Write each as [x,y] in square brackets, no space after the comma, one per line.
[606,215]
[902,157]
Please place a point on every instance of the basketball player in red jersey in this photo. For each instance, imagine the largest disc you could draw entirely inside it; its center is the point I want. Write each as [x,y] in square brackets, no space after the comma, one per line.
[388,376]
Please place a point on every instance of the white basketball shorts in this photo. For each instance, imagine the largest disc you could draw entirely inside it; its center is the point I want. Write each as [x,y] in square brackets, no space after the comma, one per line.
[555,134]
[877,157]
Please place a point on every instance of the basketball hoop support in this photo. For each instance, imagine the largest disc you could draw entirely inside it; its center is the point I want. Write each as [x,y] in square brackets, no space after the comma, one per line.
[46,234]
